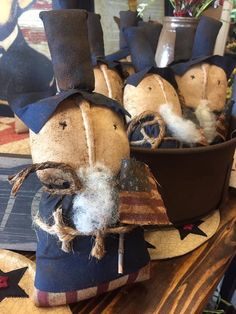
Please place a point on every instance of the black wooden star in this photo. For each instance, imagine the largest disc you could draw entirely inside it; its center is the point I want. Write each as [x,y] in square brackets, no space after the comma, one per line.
[9,286]
[187,229]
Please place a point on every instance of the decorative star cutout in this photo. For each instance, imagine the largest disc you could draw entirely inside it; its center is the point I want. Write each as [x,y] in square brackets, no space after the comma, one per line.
[9,284]
[187,229]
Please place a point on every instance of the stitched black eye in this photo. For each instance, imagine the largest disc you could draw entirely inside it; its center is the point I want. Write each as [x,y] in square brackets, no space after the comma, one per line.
[149,88]
[192,77]
[63,124]
[218,82]
[115,126]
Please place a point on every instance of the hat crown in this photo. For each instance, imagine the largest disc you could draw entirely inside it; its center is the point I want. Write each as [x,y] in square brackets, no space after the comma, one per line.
[205,37]
[141,51]
[95,35]
[67,36]
[127,19]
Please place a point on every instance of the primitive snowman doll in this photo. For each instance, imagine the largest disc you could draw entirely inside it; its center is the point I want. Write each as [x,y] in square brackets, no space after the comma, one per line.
[150,96]
[202,82]
[88,224]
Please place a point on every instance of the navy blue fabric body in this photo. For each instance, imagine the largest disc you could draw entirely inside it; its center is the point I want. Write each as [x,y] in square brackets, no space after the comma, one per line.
[37,114]
[57,271]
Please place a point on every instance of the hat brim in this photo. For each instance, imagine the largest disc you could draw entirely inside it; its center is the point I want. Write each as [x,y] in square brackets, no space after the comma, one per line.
[226,63]
[166,241]
[10,261]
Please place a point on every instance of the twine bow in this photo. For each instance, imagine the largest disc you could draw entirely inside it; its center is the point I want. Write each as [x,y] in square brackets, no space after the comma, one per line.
[157,119]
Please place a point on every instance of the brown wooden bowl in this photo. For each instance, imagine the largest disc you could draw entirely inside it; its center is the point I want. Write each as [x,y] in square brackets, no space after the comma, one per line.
[193,181]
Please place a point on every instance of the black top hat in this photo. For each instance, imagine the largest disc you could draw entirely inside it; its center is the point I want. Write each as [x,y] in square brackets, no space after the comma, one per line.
[205,37]
[142,54]
[95,36]
[67,35]
[127,19]
[152,30]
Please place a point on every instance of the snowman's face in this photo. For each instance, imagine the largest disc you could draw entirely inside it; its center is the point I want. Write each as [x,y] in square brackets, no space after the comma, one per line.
[80,136]
[152,92]
[203,81]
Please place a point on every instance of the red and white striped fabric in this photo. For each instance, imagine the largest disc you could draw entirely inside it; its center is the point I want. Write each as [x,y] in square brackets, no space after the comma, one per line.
[43,298]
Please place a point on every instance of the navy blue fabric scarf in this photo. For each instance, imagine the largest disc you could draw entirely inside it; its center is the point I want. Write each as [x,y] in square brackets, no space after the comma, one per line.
[35,115]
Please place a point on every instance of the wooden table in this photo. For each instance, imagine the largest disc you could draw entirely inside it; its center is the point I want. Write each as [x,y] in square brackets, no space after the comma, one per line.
[181,285]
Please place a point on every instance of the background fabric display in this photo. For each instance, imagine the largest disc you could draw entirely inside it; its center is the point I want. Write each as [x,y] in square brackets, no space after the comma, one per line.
[24,71]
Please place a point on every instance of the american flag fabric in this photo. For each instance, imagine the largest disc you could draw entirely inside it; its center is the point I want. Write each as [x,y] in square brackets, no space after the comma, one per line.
[45,299]
[140,201]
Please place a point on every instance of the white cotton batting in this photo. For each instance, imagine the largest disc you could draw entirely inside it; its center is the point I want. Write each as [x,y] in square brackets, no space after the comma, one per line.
[96,206]
[207,120]
[184,130]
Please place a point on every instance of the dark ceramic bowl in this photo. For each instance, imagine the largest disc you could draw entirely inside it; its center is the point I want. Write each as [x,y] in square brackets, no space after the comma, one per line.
[193,181]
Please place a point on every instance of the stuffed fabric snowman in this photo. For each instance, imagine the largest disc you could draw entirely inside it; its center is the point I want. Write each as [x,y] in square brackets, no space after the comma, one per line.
[202,81]
[89,239]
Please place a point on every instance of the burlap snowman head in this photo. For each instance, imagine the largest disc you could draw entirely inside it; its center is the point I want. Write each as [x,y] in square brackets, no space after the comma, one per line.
[79,132]
[203,81]
[198,79]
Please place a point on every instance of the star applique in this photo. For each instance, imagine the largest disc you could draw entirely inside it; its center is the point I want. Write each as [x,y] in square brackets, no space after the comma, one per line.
[4,281]
[9,284]
[187,229]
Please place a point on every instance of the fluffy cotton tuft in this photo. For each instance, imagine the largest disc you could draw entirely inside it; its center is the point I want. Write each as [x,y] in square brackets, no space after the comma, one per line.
[184,130]
[96,206]
[207,120]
